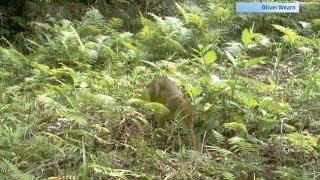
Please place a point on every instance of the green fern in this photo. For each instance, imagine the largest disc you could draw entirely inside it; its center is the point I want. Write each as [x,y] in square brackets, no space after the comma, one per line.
[290,35]
[306,143]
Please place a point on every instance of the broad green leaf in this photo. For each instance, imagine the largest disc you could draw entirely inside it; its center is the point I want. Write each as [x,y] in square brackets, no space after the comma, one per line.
[210,57]
[155,107]
[254,61]
[194,91]
[246,37]
[247,99]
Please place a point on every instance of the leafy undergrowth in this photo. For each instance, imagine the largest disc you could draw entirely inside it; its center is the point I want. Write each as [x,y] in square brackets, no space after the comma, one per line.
[76,106]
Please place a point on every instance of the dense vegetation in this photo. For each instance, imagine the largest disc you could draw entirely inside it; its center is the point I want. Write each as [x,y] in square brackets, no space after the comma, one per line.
[73,102]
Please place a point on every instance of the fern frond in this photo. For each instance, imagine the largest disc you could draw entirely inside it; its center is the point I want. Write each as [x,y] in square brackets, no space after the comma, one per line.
[290,35]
